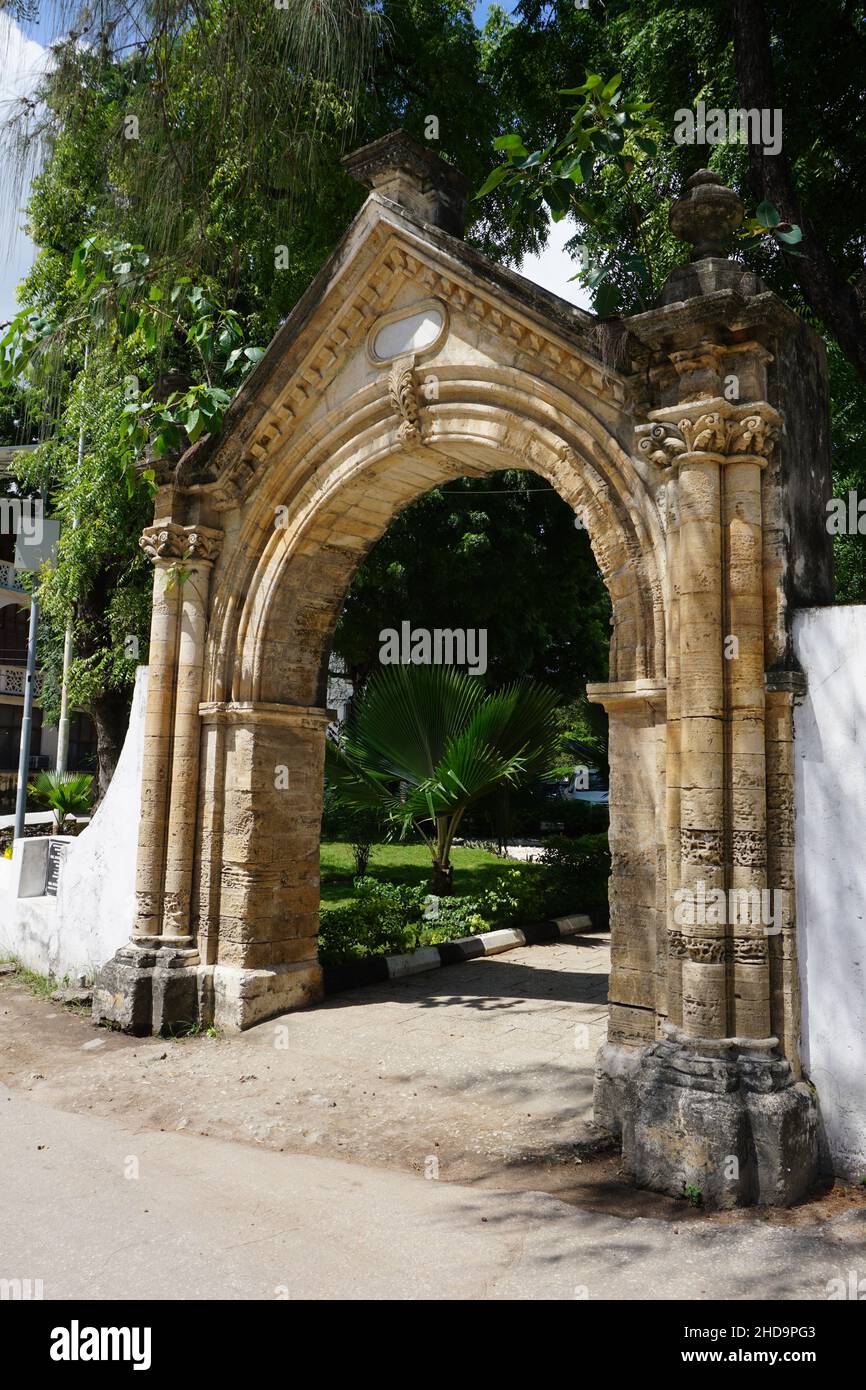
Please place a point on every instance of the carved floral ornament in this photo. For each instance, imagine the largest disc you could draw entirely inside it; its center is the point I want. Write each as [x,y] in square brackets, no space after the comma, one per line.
[726,432]
[403,391]
[714,950]
[170,543]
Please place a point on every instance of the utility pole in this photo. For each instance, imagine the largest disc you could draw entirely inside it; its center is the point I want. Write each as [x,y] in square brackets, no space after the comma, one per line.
[63,721]
[26,721]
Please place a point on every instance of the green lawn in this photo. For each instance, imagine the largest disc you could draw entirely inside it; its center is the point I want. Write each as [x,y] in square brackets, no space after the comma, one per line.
[474,869]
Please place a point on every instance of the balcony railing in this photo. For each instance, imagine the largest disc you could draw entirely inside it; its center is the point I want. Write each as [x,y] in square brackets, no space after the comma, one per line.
[12,680]
[10,578]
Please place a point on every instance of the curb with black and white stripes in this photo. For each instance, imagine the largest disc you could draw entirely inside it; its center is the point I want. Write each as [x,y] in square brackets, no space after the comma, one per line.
[376,969]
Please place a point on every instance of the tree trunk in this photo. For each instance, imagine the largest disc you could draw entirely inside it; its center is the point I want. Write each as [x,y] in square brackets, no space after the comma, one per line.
[442,883]
[110,715]
[823,286]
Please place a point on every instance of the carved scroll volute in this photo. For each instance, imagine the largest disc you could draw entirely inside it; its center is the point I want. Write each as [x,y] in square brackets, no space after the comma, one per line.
[753,435]
[170,543]
[660,444]
[403,391]
[717,429]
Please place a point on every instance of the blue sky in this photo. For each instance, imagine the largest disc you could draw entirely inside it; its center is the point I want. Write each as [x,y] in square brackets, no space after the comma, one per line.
[483,6]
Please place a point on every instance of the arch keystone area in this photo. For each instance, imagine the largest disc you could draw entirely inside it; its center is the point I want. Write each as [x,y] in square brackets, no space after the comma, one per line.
[705,514]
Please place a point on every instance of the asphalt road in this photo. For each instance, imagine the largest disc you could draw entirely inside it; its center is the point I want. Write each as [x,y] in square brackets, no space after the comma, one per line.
[97,1211]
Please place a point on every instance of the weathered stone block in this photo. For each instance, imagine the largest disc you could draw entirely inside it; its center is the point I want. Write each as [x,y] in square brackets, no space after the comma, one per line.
[729,1124]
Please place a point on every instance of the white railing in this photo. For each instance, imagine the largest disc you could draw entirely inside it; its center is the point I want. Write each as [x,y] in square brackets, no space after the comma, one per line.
[10,578]
[12,680]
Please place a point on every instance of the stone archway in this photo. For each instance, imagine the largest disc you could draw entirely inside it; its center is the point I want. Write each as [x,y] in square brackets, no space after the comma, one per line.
[667,433]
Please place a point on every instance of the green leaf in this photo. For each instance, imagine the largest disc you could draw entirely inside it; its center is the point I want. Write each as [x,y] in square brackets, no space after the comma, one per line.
[558,198]
[194,425]
[493,180]
[78,268]
[768,215]
[611,86]
[587,164]
[572,169]
[606,300]
[511,142]
[791,235]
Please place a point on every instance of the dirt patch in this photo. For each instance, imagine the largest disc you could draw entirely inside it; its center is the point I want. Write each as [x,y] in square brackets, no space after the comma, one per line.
[247,1089]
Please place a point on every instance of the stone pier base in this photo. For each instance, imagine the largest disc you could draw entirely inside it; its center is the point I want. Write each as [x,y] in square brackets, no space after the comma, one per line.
[723,1120]
[143,991]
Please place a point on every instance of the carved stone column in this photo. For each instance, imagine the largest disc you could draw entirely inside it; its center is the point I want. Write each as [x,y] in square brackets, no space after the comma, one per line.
[702,760]
[750,438]
[152,985]
[158,542]
[202,548]
[713,1103]
[721,784]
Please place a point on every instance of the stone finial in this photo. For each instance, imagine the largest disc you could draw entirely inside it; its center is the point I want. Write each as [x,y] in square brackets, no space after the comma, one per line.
[410,174]
[707,215]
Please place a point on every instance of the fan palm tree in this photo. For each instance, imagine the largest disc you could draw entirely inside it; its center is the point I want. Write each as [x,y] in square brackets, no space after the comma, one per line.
[66,793]
[426,742]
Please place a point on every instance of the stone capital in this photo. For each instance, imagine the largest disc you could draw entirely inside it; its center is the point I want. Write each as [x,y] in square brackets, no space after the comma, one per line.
[711,430]
[169,543]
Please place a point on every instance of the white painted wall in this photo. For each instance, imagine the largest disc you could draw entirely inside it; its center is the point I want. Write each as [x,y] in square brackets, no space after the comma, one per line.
[830,763]
[79,930]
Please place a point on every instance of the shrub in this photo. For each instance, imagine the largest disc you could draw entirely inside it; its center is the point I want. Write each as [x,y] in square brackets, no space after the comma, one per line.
[578,871]
[447,919]
[66,793]
[383,920]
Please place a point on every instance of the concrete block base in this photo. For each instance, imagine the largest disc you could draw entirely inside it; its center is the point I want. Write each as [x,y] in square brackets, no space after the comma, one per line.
[167,991]
[244,997]
[721,1120]
[123,991]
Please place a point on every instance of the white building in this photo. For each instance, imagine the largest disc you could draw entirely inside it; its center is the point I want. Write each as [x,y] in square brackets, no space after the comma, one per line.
[14,625]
